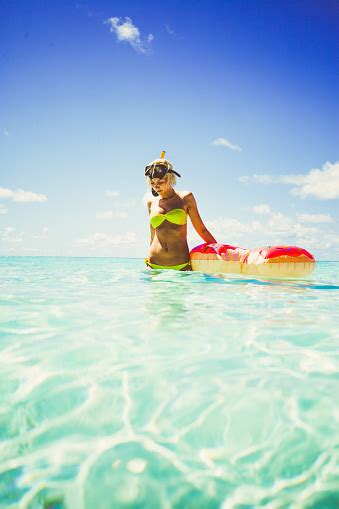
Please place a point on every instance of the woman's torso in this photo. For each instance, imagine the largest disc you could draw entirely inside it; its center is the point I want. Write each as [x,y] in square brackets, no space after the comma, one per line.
[169,243]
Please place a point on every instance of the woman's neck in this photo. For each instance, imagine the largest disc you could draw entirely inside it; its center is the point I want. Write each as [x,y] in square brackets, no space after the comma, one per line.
[166,195]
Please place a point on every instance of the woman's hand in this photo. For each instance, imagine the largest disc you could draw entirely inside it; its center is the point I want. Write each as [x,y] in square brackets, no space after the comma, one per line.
[197,222]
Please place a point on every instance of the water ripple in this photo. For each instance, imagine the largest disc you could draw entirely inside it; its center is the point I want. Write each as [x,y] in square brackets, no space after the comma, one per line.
[123,387]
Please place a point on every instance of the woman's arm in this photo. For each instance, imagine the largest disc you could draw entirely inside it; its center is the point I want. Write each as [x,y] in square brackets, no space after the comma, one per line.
[149,204]
[197,223]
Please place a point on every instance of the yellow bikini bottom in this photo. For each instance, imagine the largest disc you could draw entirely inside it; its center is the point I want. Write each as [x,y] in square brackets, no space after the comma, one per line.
[171,267]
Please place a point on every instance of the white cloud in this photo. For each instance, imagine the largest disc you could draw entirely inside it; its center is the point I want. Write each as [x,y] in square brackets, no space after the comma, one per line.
[223,142]
[279,223]
[261,179]
[90,13]
[19,195]
[112,194]
[230,230]
[3,209]
[274,228]
[315,218]
[121,209]
[105,239]
[42,235]
[262,209]
[5,132]
[322,184]
[318,183]
[169,30]
[109,214]
[126,31]
[10,236]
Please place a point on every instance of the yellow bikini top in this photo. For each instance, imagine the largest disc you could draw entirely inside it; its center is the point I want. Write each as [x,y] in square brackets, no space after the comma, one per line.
[176,216]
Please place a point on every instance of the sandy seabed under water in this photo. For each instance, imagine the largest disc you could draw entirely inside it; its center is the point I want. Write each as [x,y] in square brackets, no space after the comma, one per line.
[130,388]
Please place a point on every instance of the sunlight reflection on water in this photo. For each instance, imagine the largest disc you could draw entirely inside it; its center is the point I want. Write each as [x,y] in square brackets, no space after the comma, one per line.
[123,387]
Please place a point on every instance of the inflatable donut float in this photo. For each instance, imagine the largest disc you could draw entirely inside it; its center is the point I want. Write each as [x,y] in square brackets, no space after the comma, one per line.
[272,261]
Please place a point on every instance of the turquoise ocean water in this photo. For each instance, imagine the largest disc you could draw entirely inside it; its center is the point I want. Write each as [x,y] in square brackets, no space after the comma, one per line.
[128,388]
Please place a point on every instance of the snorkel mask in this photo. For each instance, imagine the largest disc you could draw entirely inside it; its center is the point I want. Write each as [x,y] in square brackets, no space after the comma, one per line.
[158,169]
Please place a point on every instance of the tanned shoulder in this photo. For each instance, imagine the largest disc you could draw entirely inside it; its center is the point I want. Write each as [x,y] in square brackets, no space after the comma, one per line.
[189,199]
[184,195]
[149,202]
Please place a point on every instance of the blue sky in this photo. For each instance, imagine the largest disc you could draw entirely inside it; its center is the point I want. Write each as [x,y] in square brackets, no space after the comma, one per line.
[243,96]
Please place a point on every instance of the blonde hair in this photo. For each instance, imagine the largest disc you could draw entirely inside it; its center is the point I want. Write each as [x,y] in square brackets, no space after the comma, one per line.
[169,177]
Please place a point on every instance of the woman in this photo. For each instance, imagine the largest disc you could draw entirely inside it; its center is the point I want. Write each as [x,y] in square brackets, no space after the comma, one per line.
[168,210]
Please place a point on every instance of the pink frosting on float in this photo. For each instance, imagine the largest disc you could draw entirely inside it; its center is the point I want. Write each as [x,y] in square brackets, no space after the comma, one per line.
[226,251]
[211,248]
[292,251]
